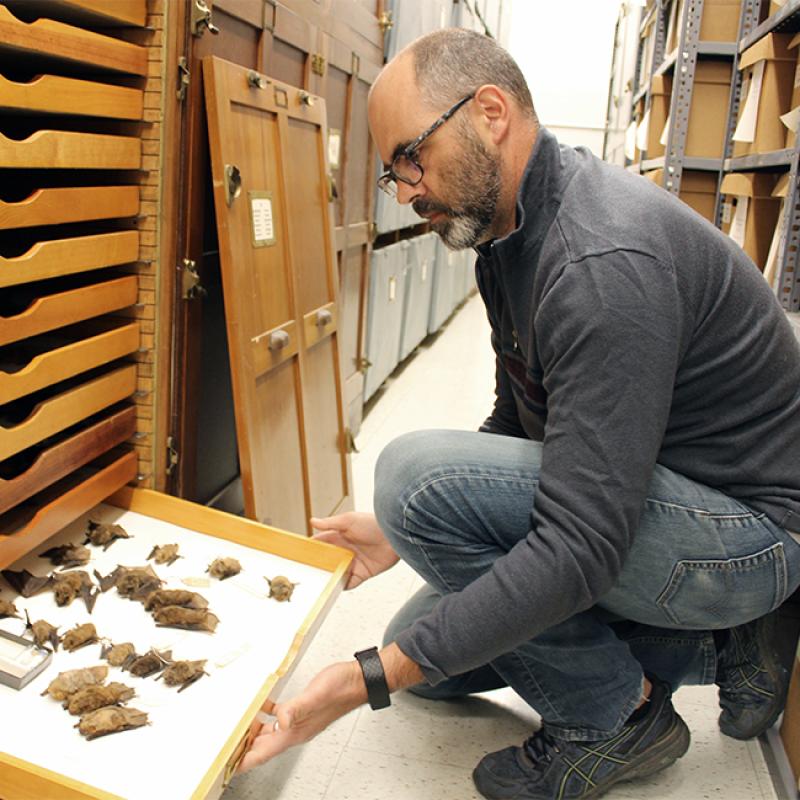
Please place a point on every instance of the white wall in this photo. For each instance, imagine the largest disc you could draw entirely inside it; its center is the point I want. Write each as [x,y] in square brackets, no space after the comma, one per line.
[564,48]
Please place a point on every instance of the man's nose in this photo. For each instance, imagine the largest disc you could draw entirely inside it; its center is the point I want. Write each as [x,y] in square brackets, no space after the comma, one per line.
[408,194]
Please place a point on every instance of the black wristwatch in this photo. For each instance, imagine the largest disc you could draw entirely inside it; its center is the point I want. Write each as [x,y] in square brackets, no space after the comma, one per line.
[374,678]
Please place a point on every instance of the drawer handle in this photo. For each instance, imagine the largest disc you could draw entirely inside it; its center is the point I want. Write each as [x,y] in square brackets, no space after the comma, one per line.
[324,317]
[278,340]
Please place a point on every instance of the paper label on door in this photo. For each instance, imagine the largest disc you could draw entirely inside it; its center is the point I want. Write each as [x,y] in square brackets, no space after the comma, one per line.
[261,221]
[334,147]
[771,270]
[392,288]
[739,220]
[791,119]
[642,131]
[746,127]
[727,210]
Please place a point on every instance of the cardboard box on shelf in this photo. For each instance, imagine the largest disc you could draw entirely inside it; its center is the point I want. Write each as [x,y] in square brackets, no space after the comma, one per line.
[719,23]
[791,119]
[750,212]
[698,189]
[653,123]
[767,82]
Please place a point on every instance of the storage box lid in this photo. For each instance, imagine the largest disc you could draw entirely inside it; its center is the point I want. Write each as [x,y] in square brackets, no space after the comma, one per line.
[714,71]
[773,47]
[748,184]
[662,84]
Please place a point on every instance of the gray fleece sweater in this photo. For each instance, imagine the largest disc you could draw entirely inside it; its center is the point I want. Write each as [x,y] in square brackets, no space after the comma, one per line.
[628,331]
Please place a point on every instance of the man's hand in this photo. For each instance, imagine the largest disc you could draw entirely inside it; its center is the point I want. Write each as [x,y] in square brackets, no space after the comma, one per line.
[360,533]
[338,689]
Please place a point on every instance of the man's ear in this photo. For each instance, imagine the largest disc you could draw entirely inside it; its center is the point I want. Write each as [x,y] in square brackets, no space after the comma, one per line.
[492,108]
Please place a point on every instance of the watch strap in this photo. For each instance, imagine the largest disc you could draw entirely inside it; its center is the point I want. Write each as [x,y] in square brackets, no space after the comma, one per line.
[374,678]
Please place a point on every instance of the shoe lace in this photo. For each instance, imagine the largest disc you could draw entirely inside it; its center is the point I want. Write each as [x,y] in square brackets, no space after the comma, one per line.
[540,748]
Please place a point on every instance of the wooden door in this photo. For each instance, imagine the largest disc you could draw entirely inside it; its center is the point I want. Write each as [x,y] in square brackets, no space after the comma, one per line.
[268,158]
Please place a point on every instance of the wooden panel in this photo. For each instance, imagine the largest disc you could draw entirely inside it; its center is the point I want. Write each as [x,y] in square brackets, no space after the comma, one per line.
[91,13]
[27,527]
[319,324]
[48,38]
[58,206]
[47,363]
[266,357]
[68,256]
[65,455]
[359,158]
[257,288]
[71,150]
[56,95]
[351,299]
[56,413]
[63,308]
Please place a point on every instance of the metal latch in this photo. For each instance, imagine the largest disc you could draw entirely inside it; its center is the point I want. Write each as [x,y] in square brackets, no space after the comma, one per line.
[191,281]
[256,81]
[183,77]
[201,19]
[349,441]
[172,455]
[385,21]
[233,183]
[363,364]
[318,64]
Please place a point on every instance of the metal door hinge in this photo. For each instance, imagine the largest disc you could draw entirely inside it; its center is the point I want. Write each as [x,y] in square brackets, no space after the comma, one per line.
[318,64]
[191,288]
[349,441]
[363,364]
[201,19]
[184,76]
[385,21]
[173,457]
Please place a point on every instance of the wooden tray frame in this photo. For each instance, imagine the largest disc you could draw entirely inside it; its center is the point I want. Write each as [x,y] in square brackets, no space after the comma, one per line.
[25,781]
[44,37]
[71,150]
[64,308]
[68,256]
[96,13]
[69,360]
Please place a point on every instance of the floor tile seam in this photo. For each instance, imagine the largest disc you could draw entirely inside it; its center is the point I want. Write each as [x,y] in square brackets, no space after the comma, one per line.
[760,767]
[443,763]
[342,750]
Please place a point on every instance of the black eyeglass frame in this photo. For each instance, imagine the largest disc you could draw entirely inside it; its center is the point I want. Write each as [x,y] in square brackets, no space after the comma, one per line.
[385,180]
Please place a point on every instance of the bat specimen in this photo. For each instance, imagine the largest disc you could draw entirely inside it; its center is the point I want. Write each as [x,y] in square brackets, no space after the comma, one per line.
[8,609]
[150,663]
[68,555]
[280,588]
[193,619]
[96,696]
[164,554]
[79,636]
[132,582]
[110,719]
[43,632]
[223,568]
[184,673]
[118,655]
[68,585]
[101,535]
[174,597]
[26,583]
[69,682]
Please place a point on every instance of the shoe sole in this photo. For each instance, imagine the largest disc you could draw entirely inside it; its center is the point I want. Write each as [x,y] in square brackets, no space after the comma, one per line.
[665,752]
[777,673]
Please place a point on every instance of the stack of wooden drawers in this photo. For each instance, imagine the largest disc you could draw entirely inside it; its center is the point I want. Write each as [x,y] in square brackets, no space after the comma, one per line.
[71,104]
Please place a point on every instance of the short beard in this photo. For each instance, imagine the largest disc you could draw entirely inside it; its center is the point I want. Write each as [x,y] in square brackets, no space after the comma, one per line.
[475,183]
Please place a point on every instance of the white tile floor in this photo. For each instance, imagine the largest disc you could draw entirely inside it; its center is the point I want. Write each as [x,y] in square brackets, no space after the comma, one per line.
[419,749]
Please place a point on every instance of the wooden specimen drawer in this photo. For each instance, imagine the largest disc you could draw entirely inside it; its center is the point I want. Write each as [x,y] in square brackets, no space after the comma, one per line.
[27,422]
[53,94]
[80,204]
[67,256]
[90,13]
[194,739]
[71,150]
[29,524]
[33,470]
[49,305]
[45,360]
[47,38]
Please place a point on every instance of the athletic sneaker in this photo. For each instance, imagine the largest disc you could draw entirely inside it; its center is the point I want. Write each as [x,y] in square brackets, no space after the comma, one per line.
[752,681]
[549,768]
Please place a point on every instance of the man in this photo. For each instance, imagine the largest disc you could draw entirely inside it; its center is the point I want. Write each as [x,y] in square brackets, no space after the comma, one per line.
[622,522]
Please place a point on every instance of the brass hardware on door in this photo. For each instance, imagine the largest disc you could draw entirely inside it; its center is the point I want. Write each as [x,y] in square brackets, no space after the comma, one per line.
[201,19]
[318,64]
[233,183]
[184,77]
[305,99]
[324,318]
[385,21]
[256,81]
[333,191]
[191,281]
[278,340]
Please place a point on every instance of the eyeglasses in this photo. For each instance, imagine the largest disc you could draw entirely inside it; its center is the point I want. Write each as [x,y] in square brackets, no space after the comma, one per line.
[404,166]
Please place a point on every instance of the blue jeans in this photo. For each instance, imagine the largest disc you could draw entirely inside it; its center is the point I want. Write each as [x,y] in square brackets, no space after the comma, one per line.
[700,561]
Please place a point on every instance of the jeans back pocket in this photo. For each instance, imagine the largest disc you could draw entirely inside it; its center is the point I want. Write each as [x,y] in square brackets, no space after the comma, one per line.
[723,593]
